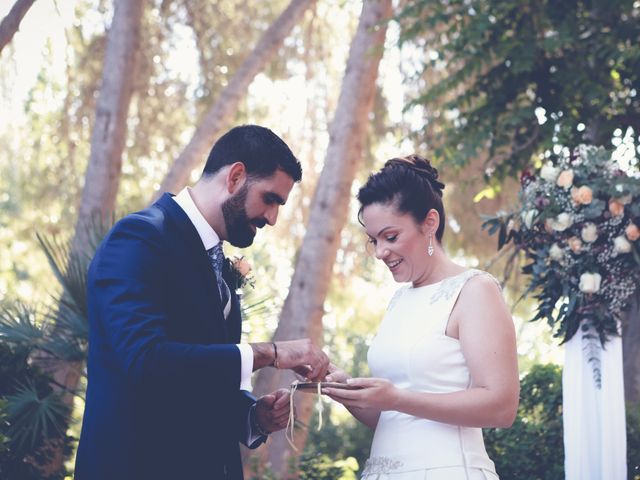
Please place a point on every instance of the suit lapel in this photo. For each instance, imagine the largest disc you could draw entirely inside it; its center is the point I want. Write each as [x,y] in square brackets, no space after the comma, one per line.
[203,271]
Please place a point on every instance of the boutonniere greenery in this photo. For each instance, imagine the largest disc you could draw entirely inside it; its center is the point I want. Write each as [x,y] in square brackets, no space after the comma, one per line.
[238,273]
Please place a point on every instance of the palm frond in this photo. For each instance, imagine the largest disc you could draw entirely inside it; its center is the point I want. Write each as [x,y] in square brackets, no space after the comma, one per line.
[33,418]
[70,269]
[18,326]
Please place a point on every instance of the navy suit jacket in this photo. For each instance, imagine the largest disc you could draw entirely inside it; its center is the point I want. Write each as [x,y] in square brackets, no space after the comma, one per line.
[163,396]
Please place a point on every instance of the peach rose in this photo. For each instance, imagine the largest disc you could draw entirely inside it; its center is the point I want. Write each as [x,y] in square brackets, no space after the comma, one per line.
[616,208]
[242,266]
[582,195]
[632,231]
[565,179]
[575,244]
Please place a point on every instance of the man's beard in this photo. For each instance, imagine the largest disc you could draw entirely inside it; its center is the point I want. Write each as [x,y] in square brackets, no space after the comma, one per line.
[239,231]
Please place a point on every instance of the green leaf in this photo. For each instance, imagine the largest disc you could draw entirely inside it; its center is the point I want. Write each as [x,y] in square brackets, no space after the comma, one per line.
[33,418]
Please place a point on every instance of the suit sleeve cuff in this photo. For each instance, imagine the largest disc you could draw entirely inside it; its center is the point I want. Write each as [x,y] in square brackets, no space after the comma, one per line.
[254,439]
[246,366]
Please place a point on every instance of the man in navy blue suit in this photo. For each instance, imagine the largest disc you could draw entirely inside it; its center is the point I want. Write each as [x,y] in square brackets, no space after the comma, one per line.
[168,379]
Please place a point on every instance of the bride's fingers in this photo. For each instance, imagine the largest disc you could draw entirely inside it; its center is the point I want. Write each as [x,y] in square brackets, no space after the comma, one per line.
[363,382]
[340,393]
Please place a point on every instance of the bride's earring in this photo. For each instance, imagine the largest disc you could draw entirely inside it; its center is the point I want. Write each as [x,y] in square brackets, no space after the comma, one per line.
[430,248]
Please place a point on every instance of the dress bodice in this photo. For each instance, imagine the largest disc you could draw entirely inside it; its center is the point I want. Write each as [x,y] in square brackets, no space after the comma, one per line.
[413,352]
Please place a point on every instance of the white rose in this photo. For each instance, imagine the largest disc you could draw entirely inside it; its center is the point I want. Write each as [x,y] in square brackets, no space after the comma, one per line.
[562,222]
[590,282]
[621,244]
[556,253]
[549,172]
[589,232]
[527,217]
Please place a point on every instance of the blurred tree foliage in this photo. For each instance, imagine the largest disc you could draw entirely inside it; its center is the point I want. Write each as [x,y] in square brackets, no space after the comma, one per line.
[510,79]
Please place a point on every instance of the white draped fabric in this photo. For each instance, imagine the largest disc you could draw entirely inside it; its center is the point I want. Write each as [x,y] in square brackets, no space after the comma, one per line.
[595,439]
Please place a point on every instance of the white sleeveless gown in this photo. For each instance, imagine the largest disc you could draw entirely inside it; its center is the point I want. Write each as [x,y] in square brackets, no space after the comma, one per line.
[412,351]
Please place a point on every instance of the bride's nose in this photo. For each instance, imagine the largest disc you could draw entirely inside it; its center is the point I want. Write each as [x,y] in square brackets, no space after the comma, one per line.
[382,253]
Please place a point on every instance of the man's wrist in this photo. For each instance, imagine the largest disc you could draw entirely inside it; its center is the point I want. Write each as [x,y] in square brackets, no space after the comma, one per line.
[264,355]
[276,362]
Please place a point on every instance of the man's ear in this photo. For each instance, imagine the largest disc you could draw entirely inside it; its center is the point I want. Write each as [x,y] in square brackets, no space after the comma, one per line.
[236,177]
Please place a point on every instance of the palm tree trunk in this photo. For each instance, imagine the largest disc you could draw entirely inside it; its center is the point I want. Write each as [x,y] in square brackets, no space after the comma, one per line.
[110,129]
[224,108]
[11,23]
[303,308]
[103,172]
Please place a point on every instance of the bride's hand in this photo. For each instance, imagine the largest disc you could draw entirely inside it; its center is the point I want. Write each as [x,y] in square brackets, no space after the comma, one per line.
[376,393]
[334,374]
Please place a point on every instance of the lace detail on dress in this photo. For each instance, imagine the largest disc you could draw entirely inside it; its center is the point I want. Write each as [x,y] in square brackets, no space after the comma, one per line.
[450,286]
[398,293]
[379,465]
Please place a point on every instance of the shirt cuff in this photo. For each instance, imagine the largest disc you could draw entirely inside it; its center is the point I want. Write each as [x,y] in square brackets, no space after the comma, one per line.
[246,366]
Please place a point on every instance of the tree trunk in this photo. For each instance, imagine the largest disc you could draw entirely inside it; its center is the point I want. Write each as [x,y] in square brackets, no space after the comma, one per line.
[224,108]
[303,308]
[11,23]
[110,128]
[631,351]
[103,171]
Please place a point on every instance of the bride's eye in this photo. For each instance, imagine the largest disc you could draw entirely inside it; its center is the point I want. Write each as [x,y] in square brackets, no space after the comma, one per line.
[392,238]
[371,241]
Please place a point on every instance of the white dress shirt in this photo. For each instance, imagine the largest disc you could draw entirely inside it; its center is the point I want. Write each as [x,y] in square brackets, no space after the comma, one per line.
[209,239]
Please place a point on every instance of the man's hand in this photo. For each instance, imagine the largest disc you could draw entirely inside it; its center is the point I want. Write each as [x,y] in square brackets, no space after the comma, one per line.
[272,411]
[335,374]
[304,358]
[301,356]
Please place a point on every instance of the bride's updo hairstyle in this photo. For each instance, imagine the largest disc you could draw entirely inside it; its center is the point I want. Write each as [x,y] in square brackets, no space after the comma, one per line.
[409,183]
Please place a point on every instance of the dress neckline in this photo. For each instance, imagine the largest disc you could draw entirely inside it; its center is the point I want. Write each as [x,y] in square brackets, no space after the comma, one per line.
[411,287]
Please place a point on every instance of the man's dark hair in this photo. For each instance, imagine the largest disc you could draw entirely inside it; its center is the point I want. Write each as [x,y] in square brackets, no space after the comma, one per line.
[262,152]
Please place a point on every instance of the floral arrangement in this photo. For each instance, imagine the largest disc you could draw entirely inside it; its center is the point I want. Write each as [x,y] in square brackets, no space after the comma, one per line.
[578,224]
[237,273]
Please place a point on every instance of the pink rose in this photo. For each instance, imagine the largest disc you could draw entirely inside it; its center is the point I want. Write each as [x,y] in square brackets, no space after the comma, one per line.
[565,179]
[616,208]
[632,231]
[582,195]
[575,244]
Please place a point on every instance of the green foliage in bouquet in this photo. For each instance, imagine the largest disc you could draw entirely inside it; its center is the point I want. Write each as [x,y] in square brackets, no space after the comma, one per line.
[578,224]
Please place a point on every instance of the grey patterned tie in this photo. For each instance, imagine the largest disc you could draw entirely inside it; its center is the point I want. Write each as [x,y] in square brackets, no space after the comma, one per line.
[216,256]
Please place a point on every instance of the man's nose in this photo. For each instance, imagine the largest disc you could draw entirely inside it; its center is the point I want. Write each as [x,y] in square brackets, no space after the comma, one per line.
[271,215]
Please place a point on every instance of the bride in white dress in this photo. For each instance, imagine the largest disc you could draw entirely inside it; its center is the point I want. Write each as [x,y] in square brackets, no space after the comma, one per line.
[444,359]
